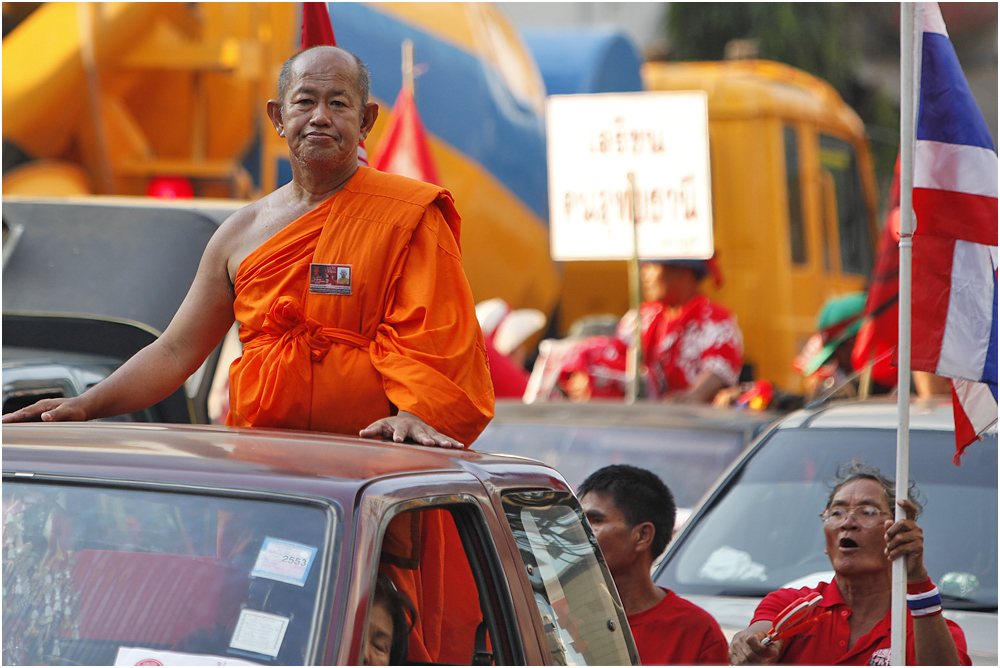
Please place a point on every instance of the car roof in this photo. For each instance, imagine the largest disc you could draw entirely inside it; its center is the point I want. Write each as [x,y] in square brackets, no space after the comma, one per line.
[642,414]
[934,414]
[246,459]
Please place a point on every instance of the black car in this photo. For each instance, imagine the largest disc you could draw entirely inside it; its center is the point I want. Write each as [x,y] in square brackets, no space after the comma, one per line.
[88,281]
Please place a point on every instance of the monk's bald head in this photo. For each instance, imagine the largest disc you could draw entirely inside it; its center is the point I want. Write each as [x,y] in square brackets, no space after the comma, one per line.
[363,78]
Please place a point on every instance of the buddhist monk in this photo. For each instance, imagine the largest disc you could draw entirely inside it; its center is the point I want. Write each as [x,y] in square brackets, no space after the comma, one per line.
[355,313]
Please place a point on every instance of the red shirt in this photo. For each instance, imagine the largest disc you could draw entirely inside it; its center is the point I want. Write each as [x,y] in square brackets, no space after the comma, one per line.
[677,349]
[826,643]
[509,379]
[676,631]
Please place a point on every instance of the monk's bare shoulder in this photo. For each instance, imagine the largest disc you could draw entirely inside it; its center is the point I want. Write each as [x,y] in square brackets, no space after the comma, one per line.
[250,227]
[244,231]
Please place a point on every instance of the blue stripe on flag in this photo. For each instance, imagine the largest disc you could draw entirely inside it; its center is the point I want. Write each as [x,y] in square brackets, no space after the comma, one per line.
[990,368]
[948,111]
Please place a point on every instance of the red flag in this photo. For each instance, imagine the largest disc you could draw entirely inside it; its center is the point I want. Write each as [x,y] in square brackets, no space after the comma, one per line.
[316,27]
[880,332]
[403,148]
[318,31]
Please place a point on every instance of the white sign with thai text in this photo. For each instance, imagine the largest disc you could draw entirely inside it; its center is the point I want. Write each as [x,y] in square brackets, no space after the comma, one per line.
[595,142]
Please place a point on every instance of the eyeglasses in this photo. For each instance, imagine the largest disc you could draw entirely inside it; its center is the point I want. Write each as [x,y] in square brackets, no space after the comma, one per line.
[866,516]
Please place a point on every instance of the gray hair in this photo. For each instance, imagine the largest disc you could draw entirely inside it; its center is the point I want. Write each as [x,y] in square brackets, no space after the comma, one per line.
[364,81]
[859,470]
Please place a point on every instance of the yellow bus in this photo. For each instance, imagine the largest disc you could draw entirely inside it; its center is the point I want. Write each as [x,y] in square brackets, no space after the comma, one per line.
[794,206]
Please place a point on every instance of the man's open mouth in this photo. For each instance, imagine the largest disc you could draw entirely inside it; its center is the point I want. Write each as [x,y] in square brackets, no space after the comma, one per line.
[848,542]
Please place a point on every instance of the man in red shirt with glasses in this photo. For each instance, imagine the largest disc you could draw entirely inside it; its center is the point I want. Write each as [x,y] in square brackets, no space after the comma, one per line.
[862,540]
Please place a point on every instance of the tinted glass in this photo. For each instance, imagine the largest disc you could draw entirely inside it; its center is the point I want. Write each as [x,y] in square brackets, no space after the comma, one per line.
[689,461]
[796,228]
[582,622]
[838,158]
[97,575]
[765,533]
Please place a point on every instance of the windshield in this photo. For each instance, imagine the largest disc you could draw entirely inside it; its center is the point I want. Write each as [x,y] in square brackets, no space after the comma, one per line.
[103,576]
[689,461]
[764,532]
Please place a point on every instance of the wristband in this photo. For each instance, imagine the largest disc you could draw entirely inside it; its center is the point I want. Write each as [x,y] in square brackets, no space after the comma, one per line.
[919,587]
[923,598]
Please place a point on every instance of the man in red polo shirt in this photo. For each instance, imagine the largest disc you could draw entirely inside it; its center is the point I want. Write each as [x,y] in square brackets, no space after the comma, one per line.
[862,540]
[632,514]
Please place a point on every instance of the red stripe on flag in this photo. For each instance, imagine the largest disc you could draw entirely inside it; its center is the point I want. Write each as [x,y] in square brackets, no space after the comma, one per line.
[932,262]
[965,433]
[959,215]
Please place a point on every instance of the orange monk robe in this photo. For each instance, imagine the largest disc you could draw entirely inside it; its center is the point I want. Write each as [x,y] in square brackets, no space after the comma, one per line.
[406,337]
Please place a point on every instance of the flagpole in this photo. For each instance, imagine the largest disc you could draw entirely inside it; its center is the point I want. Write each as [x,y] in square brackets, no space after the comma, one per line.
[911,42]
[633,359]
[408,79]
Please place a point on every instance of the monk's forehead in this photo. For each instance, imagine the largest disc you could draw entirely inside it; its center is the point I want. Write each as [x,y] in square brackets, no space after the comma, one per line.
[324,63]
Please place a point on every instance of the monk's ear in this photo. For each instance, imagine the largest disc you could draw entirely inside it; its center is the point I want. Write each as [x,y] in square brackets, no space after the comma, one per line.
[368,117]
[274,113]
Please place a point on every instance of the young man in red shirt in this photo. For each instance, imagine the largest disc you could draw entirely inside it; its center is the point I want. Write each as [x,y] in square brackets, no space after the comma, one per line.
[632,514]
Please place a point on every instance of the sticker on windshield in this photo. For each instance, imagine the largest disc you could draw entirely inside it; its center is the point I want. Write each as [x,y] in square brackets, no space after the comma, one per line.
[259,632]
[144,656]
[284,561]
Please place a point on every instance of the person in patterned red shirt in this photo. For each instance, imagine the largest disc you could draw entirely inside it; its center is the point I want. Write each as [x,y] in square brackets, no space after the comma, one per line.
[632,514]
[692,347]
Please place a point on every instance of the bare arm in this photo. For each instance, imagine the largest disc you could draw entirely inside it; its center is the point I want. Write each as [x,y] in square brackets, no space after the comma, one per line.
[746,648]
[160,368]
[933,644]
[702,391]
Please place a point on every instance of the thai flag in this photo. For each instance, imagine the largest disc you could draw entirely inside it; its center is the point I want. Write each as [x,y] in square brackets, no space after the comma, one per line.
[954,316]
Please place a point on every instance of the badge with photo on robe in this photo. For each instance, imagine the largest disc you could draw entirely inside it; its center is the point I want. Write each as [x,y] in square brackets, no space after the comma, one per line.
[330,279]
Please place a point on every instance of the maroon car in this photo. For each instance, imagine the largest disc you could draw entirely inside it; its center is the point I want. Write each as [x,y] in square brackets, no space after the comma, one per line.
[154,544]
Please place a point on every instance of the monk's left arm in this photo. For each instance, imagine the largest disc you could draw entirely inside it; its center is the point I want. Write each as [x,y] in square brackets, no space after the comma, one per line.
[429,348]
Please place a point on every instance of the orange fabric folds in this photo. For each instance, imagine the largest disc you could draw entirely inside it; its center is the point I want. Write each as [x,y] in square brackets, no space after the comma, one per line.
[398,331]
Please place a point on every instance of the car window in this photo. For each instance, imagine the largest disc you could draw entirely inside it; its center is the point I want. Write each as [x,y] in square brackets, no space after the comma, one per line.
[764,531]
[796,225]
[126,575]
[583,624]
[689,461]
[838,158]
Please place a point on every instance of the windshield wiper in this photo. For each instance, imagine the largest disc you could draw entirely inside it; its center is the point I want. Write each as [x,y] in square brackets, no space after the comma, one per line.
[966,604]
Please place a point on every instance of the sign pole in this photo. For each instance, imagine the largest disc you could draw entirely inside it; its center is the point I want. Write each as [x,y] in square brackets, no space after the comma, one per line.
[633,362]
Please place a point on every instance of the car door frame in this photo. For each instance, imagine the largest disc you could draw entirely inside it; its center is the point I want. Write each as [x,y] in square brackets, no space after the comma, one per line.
[380,501]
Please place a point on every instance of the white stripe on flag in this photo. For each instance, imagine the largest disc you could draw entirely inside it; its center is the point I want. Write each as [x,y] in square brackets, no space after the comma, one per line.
[966,336]
[977,402]
[933,21]
[956,167]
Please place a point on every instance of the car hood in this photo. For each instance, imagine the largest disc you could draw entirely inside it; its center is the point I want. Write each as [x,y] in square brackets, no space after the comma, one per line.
[735,612]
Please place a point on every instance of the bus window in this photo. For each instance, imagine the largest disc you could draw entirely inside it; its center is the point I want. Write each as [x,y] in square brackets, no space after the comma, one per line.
[796,230]
[837,157]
